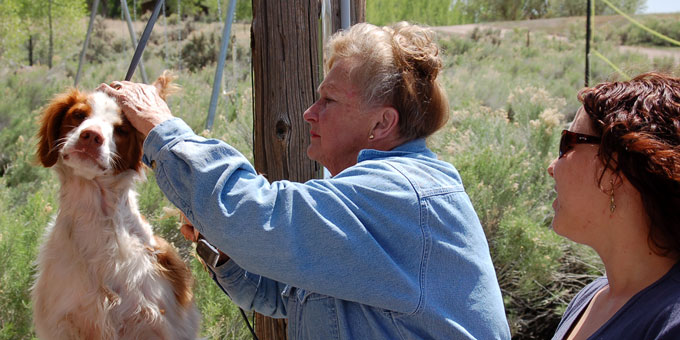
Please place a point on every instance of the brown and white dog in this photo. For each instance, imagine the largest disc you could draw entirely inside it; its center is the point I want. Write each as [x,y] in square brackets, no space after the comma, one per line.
[101,272]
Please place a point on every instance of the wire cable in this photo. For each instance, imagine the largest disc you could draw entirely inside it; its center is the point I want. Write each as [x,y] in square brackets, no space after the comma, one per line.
[245,318]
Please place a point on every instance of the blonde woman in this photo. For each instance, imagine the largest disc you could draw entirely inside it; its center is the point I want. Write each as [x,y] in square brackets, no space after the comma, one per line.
[390,247]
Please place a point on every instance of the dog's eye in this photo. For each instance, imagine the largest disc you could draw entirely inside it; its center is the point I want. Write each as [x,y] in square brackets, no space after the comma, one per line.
[79,115]
[121,130]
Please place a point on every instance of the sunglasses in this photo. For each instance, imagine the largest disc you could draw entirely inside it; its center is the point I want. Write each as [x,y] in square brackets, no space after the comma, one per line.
[569,139]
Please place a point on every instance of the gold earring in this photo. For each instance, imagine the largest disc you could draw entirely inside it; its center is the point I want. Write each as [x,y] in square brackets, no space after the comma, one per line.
[371,136]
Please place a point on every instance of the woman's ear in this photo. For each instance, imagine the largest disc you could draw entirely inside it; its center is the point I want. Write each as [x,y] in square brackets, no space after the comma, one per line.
[609,180]
[386,123]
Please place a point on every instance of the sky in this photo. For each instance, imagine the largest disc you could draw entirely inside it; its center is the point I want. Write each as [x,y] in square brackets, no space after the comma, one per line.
[662,6]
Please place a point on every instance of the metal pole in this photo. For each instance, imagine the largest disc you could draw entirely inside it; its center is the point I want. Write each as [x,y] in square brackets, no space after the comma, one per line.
[226,34]
[133,37]
[139,50]
[588,18]
[95,5]
[345,14]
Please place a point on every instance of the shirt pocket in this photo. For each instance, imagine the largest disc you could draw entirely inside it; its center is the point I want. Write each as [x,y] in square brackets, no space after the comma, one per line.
[315,316]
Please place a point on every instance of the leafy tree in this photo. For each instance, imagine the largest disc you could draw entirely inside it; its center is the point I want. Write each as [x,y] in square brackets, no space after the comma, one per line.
[27,21]
[11,36]
[244,10]
[206,9]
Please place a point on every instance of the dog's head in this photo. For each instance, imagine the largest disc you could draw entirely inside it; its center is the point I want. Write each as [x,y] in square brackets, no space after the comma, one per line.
[88,133]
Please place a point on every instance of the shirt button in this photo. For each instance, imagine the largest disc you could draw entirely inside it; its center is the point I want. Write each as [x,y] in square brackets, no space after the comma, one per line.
[153,164]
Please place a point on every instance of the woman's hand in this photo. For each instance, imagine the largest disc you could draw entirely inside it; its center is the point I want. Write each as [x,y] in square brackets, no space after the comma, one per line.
[187,229]
[190,233]
[141,104]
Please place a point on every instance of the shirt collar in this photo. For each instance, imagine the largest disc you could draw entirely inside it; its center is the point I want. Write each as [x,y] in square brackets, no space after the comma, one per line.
[414,146]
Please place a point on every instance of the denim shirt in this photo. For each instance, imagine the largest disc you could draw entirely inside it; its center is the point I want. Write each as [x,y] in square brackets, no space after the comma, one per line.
[390,248]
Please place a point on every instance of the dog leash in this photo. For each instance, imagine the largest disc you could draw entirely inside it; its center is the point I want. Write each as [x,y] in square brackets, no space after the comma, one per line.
[143,40]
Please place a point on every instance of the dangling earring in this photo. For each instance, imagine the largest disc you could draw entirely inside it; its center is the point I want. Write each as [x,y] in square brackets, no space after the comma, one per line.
[612,205]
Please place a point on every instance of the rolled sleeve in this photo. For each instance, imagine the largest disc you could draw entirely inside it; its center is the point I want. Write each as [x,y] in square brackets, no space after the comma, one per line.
[163,136]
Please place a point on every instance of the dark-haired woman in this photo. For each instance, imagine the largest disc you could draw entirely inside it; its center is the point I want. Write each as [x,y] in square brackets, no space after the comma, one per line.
[617,179]
[389,248]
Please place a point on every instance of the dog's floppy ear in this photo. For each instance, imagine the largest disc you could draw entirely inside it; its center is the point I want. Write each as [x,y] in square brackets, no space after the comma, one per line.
[164,84]
[50,125]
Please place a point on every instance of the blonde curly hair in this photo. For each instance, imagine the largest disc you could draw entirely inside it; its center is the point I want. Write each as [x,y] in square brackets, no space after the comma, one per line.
[398,66]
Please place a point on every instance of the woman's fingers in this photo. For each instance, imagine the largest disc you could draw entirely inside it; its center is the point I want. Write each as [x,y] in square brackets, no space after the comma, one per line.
[189,232]
[140,102]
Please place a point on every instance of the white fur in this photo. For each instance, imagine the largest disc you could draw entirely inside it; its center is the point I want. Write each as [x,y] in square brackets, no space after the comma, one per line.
[96,275]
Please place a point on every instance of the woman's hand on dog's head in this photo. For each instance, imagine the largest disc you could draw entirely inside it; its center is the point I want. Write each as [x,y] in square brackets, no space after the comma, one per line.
[141,104]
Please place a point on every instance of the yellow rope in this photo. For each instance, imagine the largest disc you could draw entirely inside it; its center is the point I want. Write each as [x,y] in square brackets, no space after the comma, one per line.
[637,23]
[599,55]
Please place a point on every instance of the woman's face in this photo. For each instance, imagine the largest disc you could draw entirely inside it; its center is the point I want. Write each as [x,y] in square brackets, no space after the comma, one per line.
[581,205]
[338,127]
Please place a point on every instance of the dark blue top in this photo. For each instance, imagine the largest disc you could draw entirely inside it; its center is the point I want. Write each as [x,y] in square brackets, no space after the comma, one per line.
[652,313]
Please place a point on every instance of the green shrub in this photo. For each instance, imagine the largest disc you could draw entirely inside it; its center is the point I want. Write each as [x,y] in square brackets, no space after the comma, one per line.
[100,46]
[631,34]
[200,51]
[21,227]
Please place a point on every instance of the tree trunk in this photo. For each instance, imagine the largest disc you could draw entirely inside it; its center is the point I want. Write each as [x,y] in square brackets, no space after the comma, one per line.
[105,9]
[30,50]
[287,71]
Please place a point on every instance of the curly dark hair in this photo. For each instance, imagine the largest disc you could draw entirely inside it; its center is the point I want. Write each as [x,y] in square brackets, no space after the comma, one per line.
[639,122]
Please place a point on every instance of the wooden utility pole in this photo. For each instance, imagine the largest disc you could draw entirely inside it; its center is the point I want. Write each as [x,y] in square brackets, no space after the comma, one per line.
[286,63]
[286,75]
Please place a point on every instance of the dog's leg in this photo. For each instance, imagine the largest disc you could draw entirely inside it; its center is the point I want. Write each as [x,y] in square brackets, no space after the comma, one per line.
[172,268]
